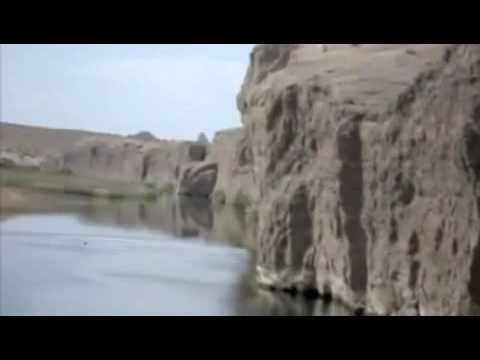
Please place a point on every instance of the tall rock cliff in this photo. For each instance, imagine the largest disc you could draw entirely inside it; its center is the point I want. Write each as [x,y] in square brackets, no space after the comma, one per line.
[366,160]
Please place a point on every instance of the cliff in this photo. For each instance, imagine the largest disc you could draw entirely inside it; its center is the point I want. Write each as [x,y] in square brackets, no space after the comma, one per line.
[231,151]
[131,160]
[366,160]
[190,166]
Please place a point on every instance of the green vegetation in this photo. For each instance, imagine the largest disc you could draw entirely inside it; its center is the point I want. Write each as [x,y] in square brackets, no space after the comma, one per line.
[71,184]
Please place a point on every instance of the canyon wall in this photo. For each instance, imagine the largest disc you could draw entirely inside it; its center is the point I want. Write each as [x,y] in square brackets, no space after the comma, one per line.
[136,158]
[366,160]
[190,166]
[131,160]
[230,149]
[226,175]
[220,170]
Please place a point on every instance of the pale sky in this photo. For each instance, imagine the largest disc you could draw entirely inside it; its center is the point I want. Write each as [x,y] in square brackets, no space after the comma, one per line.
[173,91]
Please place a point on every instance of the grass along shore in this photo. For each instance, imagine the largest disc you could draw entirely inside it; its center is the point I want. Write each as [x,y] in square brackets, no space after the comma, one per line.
[15,201]
[76,185]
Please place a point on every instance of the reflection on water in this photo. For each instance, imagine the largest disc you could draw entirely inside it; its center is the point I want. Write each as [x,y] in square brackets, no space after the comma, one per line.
[167,257]
[173,256]
[180,217]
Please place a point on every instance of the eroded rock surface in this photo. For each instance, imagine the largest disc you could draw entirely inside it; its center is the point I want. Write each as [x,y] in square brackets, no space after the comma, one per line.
[157,162]
[135,158]
[366,162]
[198,180]
[231,150]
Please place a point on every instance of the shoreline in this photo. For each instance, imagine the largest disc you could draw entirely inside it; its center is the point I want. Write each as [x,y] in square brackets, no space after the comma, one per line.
[46,182]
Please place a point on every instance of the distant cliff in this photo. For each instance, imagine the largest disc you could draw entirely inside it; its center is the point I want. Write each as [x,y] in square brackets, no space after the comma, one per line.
[137,158]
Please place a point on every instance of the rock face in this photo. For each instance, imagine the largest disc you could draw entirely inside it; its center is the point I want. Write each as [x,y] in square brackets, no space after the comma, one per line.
[198,180]
[135,158]
[230,149]
[222,171]
[111,160]
[131,160]
[162,162]
[366,161]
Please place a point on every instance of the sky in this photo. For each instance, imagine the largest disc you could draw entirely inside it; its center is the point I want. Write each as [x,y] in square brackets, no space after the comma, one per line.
[173,91]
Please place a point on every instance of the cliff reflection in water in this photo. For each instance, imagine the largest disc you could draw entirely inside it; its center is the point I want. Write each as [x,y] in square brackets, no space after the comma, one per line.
[185,217]
[191,222]
[192,218]
[181,217]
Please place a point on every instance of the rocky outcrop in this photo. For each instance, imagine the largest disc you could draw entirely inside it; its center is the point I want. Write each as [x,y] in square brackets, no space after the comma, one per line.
[135,158]
[198,179]
[113,159]
[163,161]
[231,150]
[131,160]
[222,170]
[366,162]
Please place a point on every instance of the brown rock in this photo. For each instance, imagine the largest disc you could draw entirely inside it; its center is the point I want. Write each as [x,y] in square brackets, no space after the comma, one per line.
[107,159]
[131,160]
[365,160]
[231,151]
[198,180]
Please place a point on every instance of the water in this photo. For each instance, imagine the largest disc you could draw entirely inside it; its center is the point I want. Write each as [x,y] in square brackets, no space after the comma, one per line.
[168,257]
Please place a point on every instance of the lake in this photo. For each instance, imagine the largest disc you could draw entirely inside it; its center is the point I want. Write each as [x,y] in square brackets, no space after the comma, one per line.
[173,256]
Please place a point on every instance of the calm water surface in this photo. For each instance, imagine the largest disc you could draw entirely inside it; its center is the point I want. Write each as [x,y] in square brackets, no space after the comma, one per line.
[168,257]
